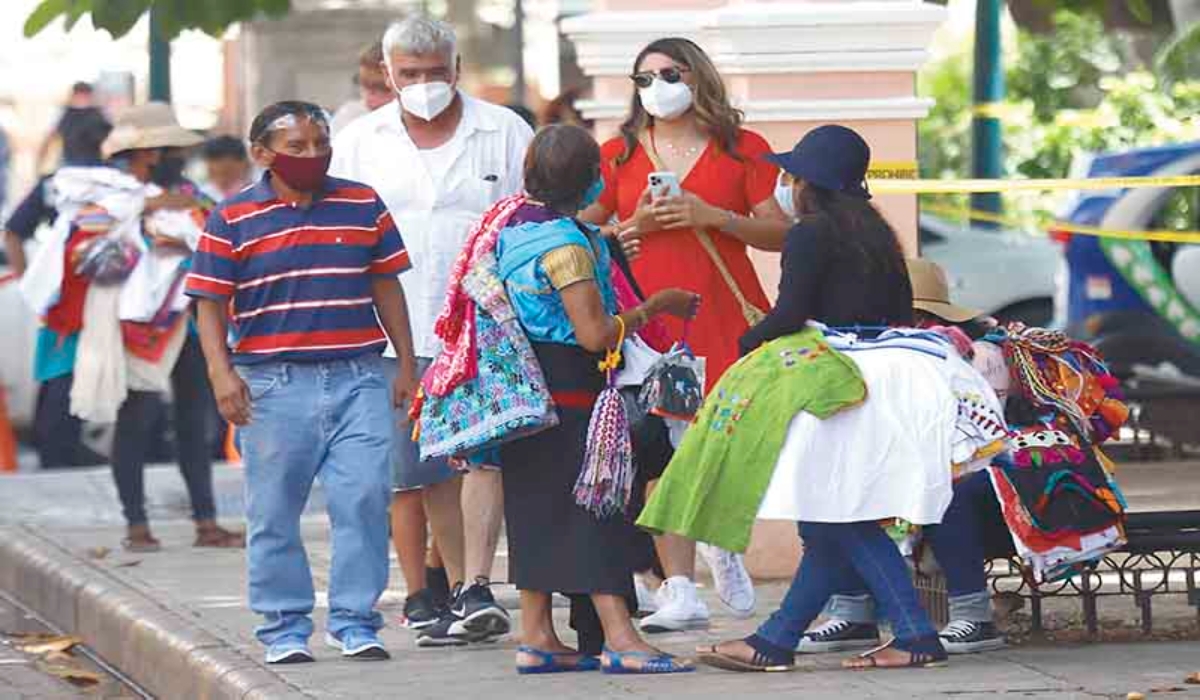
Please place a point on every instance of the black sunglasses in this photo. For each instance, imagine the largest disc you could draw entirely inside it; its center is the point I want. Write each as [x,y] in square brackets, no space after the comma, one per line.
[646,78]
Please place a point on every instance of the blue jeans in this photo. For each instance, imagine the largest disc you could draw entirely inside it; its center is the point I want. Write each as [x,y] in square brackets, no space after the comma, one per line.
[836,555]
[958,544]
[327,420]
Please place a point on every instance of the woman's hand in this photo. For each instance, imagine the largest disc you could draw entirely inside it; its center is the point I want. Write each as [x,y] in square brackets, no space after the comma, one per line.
[170,200]
[679,303]
[630,238]
[644,218]
[688,211]
[168,244]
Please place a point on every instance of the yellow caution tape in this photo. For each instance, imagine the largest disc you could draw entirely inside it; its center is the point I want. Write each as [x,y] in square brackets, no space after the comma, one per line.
[892,170]
[1064,226]
[914,186]
[992,110]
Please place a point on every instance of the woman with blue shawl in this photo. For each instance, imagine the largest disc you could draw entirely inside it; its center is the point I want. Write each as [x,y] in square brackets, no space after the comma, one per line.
[557,272]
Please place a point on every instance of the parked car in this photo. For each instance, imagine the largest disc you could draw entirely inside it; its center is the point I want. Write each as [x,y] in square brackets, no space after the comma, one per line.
[1125,294]
[1138,301]
[1004,273]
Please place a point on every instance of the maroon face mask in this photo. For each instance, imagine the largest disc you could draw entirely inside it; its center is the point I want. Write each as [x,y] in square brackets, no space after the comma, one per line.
[303,173]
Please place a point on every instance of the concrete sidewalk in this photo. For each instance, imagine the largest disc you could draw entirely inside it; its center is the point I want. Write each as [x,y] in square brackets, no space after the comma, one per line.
[177,622]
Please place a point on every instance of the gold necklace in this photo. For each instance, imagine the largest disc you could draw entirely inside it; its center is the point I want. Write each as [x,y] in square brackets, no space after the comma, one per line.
[686,153]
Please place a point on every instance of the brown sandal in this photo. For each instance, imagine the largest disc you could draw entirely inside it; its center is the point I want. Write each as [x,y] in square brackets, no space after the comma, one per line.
[213,535]
[759,663]
[139,540]
[916,659]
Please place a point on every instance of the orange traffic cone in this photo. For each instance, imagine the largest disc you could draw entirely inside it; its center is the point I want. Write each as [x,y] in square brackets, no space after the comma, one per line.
[8,440]
[231,451]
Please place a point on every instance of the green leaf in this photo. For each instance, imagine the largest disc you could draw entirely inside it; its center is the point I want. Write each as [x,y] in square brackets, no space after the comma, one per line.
[78,9]
[44,14]
[118,16]
[170,17]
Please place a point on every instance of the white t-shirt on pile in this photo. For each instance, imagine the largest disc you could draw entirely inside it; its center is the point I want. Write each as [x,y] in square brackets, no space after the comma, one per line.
[888,457]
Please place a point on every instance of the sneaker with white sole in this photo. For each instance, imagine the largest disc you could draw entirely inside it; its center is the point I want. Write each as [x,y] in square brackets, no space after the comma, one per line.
[361,644]
[733,583]
[289,651]
[680,608]
[966,637]
[479,617]
[838,635]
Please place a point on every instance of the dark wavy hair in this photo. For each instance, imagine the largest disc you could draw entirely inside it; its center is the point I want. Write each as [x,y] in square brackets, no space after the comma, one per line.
[562,162]
[716,116]
[859,227]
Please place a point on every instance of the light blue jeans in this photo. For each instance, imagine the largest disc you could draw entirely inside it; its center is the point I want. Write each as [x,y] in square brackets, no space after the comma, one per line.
[326,420]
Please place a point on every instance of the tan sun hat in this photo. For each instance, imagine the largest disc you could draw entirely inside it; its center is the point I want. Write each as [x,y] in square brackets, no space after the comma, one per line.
[931,292]
[150,125]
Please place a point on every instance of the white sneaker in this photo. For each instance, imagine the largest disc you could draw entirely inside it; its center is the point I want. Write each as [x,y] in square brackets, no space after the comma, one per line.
[648,600]
[734,586]
[680,608]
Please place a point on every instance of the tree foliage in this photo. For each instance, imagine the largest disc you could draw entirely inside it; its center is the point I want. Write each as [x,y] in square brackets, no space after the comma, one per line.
[117,17]
[1067,93]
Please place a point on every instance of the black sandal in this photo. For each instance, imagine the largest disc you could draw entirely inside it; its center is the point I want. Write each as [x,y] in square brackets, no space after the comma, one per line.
[767,658]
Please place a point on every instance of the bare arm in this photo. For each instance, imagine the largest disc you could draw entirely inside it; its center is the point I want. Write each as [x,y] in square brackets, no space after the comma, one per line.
[597,330]
[14,248]
[233,397]
[392,309]
[764,230]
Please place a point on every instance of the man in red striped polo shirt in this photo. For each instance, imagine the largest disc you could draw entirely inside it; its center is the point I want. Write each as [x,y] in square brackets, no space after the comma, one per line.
[294,277]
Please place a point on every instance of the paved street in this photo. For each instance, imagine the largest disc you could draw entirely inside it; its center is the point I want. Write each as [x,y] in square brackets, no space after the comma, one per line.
[203,594]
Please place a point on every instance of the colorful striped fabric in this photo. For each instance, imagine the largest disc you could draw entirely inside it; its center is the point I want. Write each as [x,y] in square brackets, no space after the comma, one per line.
[299,278]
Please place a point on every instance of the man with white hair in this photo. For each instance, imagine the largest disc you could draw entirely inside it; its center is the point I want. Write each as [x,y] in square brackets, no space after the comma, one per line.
[438,158]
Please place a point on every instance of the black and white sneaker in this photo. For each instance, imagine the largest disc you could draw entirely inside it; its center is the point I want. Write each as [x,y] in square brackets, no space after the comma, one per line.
[480,617]
[838,635]
[421,610]
[966,637]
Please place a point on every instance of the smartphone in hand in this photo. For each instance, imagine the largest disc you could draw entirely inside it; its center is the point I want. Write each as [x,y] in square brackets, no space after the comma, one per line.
[663,184]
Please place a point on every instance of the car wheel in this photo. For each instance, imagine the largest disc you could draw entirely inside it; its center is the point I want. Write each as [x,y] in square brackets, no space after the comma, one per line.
[1037,313]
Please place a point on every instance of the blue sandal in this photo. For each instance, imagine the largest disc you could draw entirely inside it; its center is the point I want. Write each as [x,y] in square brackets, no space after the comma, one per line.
[550,662]
[653,664]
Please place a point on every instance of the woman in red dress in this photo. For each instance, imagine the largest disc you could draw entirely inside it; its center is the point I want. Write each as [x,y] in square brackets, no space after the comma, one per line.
[681,121]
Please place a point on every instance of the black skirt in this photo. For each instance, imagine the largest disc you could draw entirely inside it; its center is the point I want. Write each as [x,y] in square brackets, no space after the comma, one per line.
[554,544]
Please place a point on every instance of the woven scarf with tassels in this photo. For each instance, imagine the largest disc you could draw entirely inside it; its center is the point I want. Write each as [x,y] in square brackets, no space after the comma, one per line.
[456,324]
[606,480]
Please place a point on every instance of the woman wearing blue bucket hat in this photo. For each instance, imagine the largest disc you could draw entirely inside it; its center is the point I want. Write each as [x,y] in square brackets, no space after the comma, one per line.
[843,266]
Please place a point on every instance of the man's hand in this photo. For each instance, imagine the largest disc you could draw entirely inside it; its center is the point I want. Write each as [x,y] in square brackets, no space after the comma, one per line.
[233,397]
[404,389]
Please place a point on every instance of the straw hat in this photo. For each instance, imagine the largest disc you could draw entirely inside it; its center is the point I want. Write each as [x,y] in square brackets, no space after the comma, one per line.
[150,125]
[931,292]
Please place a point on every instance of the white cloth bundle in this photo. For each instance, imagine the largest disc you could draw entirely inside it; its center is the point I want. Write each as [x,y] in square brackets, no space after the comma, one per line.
[99,385]
[121,195]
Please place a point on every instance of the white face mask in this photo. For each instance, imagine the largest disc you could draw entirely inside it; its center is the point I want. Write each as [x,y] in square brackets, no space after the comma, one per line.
[783,195]
[426,100]
[665,100]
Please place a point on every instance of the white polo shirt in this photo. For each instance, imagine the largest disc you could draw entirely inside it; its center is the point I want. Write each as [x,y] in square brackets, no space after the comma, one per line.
[435,195]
